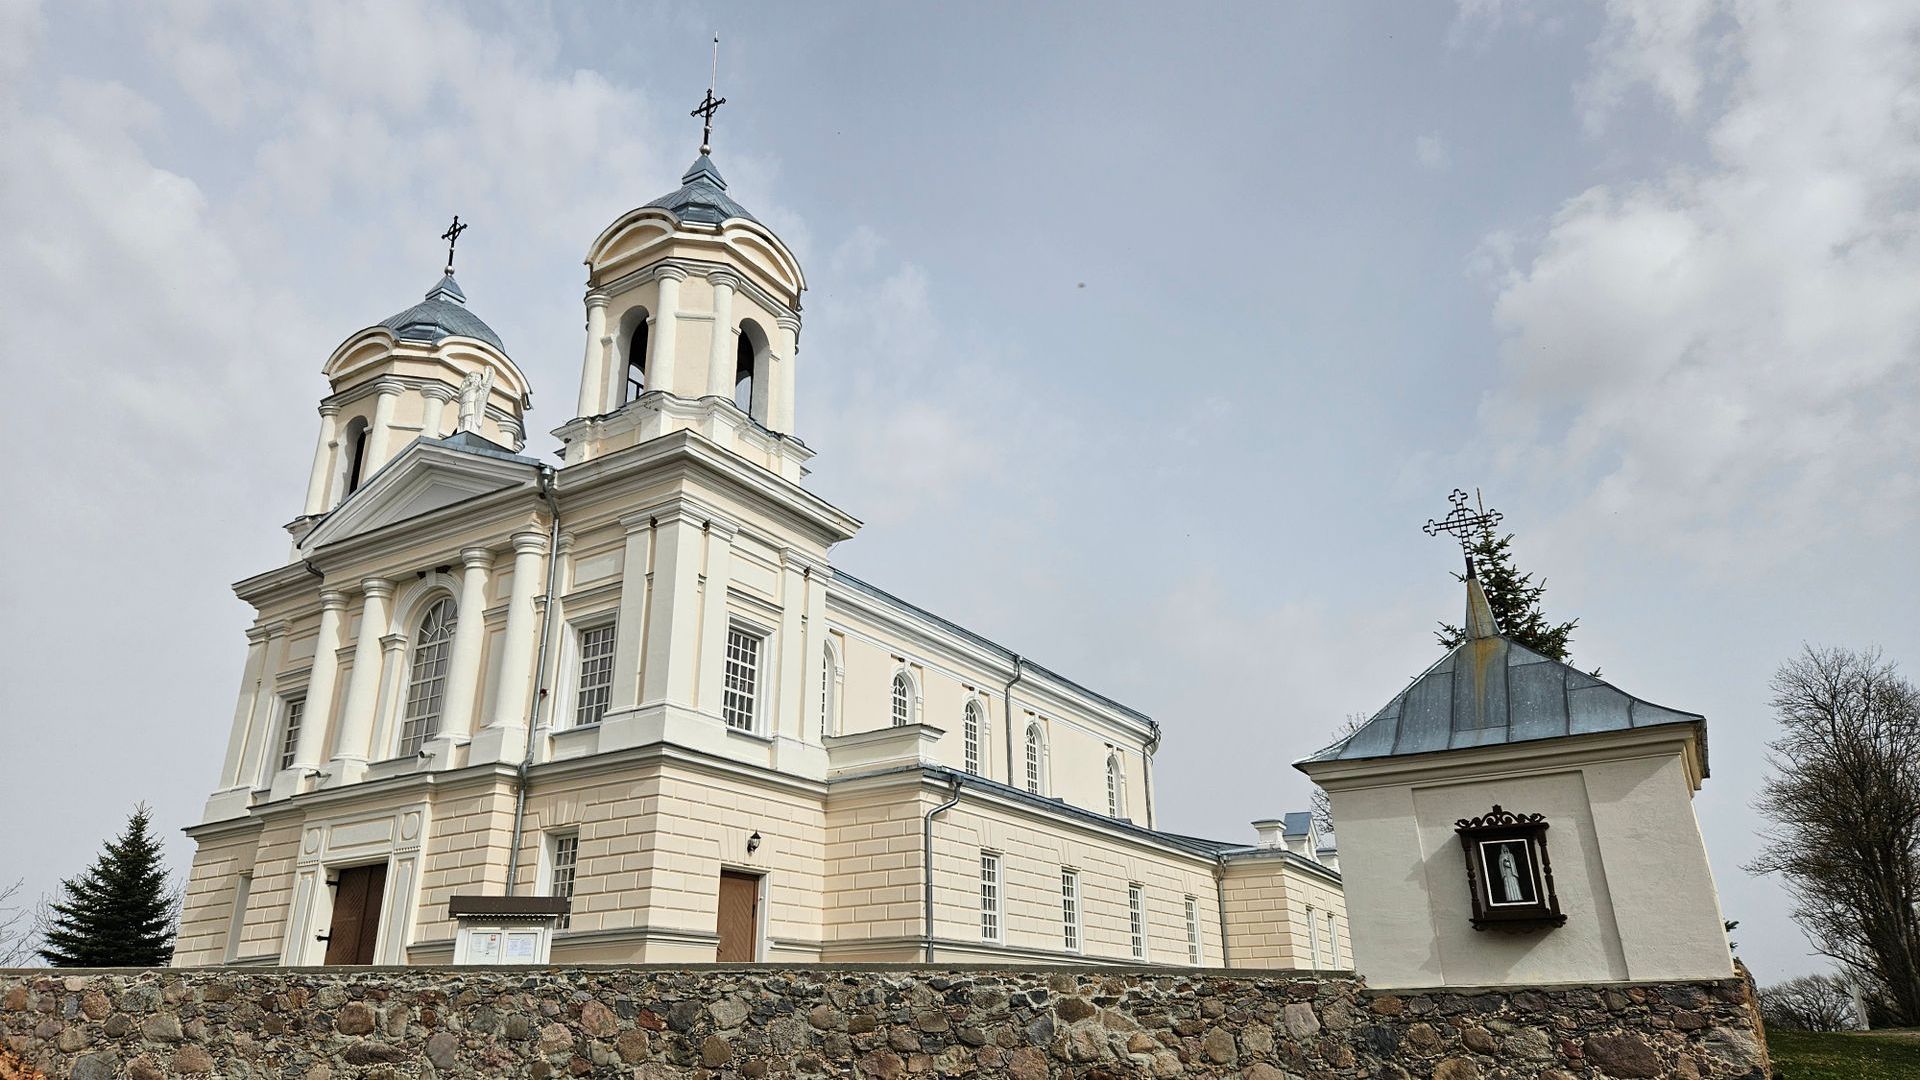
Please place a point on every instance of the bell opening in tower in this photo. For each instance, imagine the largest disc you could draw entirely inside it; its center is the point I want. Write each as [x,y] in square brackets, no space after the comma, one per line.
[743,375]
[637,359]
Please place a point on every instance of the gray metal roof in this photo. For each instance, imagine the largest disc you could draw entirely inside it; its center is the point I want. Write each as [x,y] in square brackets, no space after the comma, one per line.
[1490,690]
[1296,823]
[443,314]
[702,196]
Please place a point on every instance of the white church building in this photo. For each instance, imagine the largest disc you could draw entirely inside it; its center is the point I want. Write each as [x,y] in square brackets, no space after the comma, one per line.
[635,681]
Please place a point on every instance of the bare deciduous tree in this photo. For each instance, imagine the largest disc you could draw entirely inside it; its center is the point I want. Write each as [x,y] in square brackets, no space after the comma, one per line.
[1809,1003]
[1843,802]
[1322,806]
[19,929]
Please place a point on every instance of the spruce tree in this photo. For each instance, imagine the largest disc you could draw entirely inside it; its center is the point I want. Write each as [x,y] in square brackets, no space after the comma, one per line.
[120,912]
[1514,598]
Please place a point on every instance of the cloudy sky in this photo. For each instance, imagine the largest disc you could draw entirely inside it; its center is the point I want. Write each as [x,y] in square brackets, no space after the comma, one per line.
[1142,343]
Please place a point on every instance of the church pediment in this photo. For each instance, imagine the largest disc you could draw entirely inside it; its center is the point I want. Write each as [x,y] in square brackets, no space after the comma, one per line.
[429,475]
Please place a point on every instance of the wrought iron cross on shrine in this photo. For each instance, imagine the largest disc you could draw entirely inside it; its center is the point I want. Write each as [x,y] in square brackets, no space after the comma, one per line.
[1462,522]
[710,104]
[452,237]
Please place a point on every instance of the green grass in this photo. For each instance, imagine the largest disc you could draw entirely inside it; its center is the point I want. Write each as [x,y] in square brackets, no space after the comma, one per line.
[1805,1055]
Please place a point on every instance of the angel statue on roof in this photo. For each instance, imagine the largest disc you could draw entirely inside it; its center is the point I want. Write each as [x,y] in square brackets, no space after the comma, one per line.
[473,399]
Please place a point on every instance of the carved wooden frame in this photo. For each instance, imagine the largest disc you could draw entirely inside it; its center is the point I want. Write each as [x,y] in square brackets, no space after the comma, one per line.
[1503,828]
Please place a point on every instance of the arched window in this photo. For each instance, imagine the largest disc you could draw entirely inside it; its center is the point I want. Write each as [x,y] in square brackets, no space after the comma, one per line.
[356,446]
[970,732]
[902,700]
[637,359]
[427,686]
[743,374]
[1033,758]
[826,690]
[1116,788]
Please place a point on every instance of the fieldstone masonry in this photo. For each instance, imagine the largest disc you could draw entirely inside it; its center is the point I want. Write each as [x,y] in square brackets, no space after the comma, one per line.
[879,1022]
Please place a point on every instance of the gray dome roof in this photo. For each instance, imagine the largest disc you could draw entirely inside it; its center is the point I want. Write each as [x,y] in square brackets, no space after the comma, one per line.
[702,196]
[443,314]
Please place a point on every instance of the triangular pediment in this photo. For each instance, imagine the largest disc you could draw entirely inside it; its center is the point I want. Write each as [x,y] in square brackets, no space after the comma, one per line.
[429,475]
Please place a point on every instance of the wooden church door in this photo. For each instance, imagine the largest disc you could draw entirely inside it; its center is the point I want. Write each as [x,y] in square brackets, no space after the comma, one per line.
[356,914]
[739,917]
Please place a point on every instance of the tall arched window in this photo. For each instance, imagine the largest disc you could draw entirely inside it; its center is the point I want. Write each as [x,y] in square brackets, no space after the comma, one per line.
[356,447]
[970,732]
[637,359]
[902,700]
[826,690]
[1116,788]
[743,374]
[1033,758]
[427,686]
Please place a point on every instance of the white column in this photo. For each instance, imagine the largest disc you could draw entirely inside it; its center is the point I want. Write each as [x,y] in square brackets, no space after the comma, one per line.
[594,378]
[393,675]
[310,750]
[503,738]
[663,365]
[713,617]
[237,737]
[786,352]
[363,687]
[813,649]
[630,632]
[721,348]
[434,426]
[469,636]
[318,480]
[380,430]
[263,755]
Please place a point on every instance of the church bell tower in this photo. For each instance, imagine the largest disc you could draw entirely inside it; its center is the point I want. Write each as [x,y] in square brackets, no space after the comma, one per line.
[693,322]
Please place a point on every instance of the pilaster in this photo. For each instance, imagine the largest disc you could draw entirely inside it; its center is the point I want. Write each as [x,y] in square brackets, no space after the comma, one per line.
[363,688]
[786,352]
[435,424]
[665,335]
[594,377]
[310,750]
[380,431]
[721,348]
[469,640]
[714,580]
[670,656]
[504,737]
[320,479]
[629,635]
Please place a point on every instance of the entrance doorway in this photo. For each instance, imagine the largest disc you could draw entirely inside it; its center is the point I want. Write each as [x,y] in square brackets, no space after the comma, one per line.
[356,914]
[739,917]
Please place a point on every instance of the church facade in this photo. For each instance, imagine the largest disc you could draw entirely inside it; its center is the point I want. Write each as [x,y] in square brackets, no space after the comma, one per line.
[635,680]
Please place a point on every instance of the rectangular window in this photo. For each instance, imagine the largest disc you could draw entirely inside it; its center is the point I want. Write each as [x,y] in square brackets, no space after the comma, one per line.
[1137,920]
[742,678]
[566,856]
[294,709]
[989,896]
[596,676]
[1193,931]
[1070,910]
[1313,938]
[1333,942]
[242,888]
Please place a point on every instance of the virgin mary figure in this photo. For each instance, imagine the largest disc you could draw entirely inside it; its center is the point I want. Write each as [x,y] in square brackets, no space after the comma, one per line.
[1510,875]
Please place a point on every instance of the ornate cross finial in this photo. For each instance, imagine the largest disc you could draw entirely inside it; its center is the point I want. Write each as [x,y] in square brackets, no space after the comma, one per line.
[710,104]
[452,237]
[1462,522]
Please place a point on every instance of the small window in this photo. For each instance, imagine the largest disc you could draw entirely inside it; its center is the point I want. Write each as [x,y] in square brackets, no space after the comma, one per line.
[989,896]
[1193,931]
[356,444]
[1070,910]
[1116,788]
[292,713]
[596,675]
[737,705]
[970,732]
[566,859]
[826,691]
[1137,920]
[427,688]
[237,920]
[1333,942]
[1033,758]
[902,700]
[1313,938]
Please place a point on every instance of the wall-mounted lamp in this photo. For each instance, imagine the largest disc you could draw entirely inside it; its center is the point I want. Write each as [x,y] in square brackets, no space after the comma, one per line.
[753,842]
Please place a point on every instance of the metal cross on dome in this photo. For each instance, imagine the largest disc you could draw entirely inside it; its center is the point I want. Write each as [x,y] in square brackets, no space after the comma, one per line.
[452,237]
[1462,521]
[710,104]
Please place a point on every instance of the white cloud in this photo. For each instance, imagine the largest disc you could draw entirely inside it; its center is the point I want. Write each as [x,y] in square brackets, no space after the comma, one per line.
[1431,151]
[1723,357]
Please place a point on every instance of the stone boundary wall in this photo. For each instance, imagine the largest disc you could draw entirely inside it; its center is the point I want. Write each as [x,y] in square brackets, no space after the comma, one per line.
[880,1022]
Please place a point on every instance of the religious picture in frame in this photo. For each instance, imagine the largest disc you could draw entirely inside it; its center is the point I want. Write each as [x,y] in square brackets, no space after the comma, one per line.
[1509,874]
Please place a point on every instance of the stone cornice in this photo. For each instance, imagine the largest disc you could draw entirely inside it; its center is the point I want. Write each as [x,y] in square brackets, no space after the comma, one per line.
[683,267]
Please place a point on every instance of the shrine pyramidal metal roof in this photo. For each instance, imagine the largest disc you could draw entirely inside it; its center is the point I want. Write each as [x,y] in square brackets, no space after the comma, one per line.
[1490,690]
